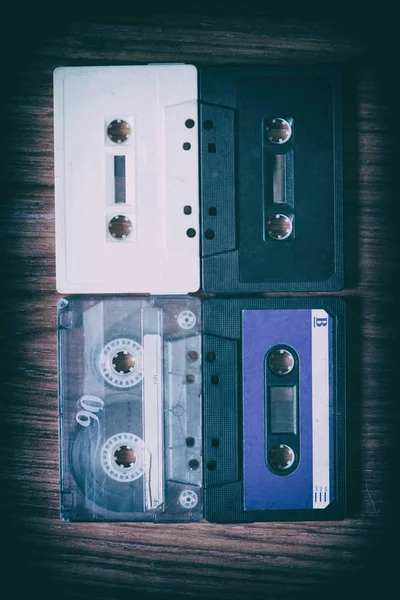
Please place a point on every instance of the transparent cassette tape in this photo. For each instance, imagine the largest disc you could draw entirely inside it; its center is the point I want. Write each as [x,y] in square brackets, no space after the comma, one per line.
[130,408]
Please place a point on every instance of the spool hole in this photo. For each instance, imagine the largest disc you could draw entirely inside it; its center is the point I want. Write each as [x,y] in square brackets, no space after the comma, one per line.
[120,227]
[281,361]
[279,227]
[278,130]
[123,362]
[119,131]
[281,457]
[125,457]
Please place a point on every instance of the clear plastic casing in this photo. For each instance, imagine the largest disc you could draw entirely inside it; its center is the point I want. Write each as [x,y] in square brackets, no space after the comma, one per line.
[130,408]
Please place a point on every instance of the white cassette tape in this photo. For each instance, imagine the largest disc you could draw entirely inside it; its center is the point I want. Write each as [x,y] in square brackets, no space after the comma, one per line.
[126,164]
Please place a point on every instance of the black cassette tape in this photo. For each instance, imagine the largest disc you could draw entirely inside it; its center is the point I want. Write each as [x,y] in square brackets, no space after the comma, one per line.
[271,179]
[130,408]
[274,409]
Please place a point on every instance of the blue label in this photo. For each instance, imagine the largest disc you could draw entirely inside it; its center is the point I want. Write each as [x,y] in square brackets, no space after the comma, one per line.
[308,332]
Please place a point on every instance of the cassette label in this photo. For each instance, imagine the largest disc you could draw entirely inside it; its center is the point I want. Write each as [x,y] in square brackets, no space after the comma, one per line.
[126,163]
[130,409]
[272,397]
[271,169]
[274,409]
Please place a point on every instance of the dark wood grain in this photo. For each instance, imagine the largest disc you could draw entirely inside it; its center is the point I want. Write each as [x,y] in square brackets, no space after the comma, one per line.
[43,555]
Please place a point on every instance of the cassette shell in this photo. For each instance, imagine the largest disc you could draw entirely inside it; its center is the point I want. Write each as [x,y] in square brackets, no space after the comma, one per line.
[130,409]
[108,123]
[236,384]
[271,179]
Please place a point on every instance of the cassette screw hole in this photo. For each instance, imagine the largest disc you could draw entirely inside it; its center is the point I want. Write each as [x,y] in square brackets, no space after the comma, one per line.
[186,146]
[279,227]
[190,378]
[187,210]
[215,443]
[210,356]
[191,232]
[190,442]
[123,362]
[120,227]
[119,131]
[193,355]
[189,123]
[209,234]
[211,465]
[212,211]
[208,125]
[125,457]
[214,379]
[186,319]
[281,457]
[281,361]
[188,499]
[278,130]
[194,464]
[178,410]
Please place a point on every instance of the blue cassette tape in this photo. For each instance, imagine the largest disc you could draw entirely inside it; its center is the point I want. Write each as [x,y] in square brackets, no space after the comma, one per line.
[274,409]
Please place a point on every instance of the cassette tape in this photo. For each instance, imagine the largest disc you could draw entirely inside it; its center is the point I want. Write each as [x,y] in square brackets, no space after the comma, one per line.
[271,179]
[274,409]
[130,408]
[126,185]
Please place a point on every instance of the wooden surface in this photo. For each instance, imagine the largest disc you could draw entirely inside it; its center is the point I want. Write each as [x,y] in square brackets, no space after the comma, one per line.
[41,554]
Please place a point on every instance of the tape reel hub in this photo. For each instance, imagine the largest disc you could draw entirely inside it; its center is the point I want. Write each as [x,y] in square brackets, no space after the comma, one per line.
[119,131]
[123,362]
[279,227]
[120,363]
[281,457]
[120,227]
[125,457]
[122,457]
[278,130]
[281,361]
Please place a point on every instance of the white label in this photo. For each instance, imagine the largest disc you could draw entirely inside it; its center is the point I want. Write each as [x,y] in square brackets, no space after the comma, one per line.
[320,407]
[153,419]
